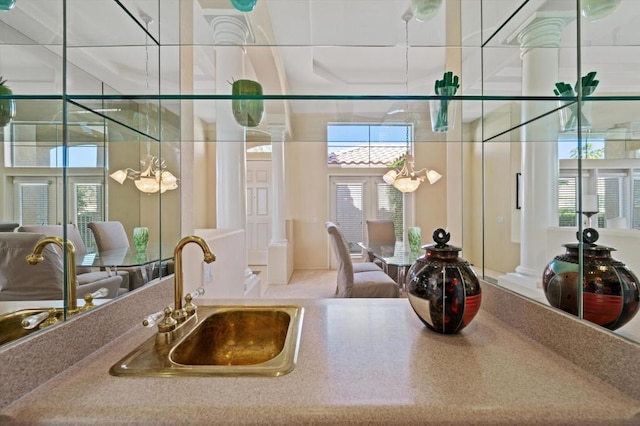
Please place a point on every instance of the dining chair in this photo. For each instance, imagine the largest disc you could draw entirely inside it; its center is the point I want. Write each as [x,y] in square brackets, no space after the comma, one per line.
[381,239]
[363,279]
[111,235]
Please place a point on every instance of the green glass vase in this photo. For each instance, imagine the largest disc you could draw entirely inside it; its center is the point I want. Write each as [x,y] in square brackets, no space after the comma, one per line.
[247,112]
[415,238]
[140,238]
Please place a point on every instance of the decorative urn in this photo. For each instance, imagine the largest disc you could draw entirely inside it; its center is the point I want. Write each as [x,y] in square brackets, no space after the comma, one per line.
[609,288]
[442,288]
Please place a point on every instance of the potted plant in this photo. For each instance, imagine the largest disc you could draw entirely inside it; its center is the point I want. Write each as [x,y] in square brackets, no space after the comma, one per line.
[7,106]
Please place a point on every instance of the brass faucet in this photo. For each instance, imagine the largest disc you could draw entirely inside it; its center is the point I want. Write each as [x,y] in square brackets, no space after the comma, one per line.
[71,283]
[179,314]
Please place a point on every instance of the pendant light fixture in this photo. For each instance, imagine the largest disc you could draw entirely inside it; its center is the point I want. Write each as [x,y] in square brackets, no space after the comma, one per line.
[595,10]
[244,5]
[424,10]
[7,4]
[153,175]
[403,176]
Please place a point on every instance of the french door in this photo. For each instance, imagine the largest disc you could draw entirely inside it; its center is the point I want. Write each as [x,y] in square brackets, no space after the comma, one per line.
[356,199]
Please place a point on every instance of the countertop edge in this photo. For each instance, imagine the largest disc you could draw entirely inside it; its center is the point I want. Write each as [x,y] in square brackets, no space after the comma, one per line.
[595,350]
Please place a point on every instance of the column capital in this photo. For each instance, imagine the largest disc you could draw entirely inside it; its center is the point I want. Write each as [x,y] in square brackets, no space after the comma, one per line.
[277,131]
[541,29]
[230,30]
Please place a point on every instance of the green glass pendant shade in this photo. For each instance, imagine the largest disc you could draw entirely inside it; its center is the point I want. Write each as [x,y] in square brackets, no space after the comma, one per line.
[595,10]
[424,10]
[244,5]
[7,4]
[247,112]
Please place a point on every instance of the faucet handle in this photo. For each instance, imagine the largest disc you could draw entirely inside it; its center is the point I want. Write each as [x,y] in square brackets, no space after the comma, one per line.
[195,294]
[189,307]
[167,323]
[88,298]
[33,321]
[153,319]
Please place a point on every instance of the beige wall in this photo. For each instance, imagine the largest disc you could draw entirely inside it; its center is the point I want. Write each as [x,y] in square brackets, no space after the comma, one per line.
[307,181]
[490,224]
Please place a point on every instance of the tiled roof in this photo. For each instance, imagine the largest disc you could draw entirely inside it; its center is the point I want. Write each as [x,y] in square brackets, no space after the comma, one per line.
[375,155]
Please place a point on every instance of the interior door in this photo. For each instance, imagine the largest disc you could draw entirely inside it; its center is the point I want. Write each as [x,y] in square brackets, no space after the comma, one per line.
[259,209]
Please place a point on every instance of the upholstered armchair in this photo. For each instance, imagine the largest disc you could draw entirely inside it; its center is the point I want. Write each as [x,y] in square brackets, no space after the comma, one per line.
[44,281]
[85,275]
[364,279]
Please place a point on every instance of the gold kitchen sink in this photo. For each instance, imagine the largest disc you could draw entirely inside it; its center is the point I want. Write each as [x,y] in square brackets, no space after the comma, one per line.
[222,340]
[11,323]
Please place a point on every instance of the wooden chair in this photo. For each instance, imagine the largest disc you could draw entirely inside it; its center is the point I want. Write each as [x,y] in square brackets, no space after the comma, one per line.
[364,279]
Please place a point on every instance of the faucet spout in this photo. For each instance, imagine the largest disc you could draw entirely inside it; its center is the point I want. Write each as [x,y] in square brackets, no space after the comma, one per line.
[209,257]
[71,282]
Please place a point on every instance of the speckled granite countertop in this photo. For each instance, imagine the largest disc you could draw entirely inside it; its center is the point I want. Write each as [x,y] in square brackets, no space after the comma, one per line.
[360,361]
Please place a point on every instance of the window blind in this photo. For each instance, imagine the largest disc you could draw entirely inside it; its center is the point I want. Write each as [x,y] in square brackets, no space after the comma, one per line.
[349,213]
[567,206]
[34,203]
[88,209]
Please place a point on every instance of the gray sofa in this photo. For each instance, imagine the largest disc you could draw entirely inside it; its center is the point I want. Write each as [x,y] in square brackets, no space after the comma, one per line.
[44,281]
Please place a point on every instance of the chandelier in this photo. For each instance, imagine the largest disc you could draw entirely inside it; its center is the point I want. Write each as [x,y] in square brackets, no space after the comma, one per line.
[403,176]
[153,178]
[153,175]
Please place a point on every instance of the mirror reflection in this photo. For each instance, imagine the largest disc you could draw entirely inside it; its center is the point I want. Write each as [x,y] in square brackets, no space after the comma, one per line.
[529,157]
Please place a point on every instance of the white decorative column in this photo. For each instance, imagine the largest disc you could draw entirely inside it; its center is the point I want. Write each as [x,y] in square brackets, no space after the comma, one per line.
[230,34]
[279,264]
[539,40]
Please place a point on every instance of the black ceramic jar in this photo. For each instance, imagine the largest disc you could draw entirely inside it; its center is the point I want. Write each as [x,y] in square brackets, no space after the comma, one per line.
[443,289]
[609,289]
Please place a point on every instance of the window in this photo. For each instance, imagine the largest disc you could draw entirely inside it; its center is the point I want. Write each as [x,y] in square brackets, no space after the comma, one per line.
[34,144]
[618,191]
[367,145]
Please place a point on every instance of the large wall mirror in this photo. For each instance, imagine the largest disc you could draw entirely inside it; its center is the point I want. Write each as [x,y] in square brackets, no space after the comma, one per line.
[77,150]
[546,170]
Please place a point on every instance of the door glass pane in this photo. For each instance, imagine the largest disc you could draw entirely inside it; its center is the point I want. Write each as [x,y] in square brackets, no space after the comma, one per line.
[349,214]
[88,209]
[34,203]
[390,207]
[567,206]
[636,204]
[609,199]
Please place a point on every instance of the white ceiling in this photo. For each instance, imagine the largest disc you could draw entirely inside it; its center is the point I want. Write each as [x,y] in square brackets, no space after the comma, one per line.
[325,47]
